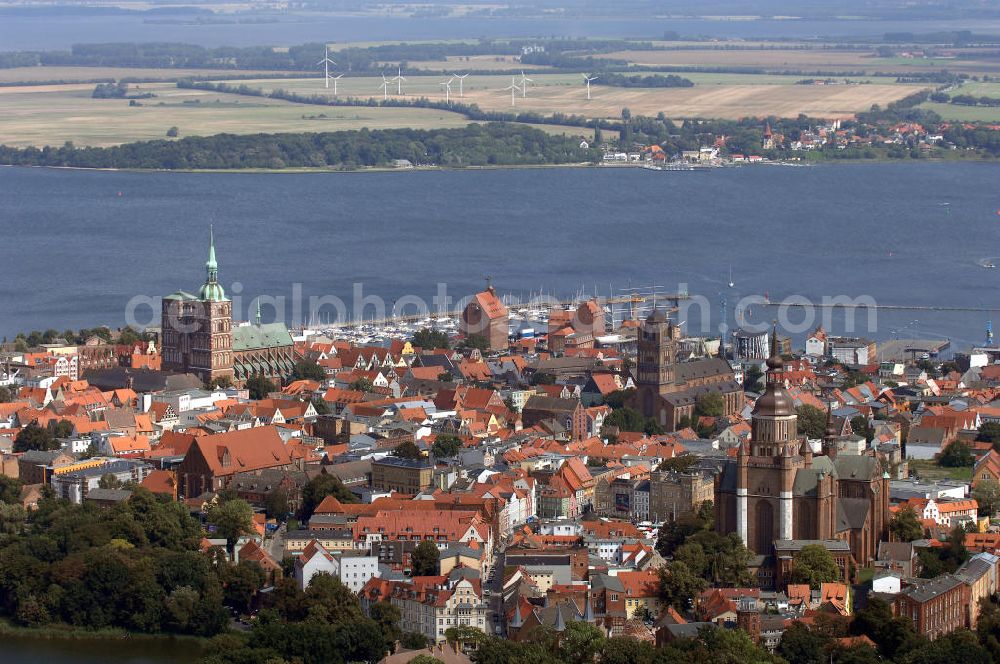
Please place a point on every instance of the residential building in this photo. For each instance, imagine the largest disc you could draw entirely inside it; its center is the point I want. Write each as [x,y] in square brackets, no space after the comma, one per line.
[409,476]
[936,606]
[212,462]
[74,482]
[674,495]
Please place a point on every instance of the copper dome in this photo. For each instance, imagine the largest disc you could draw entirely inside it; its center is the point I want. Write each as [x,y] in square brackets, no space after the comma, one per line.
[775,402]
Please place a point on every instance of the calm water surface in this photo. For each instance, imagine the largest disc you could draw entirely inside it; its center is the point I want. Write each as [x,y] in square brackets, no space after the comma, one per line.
[80,244]
[25,32]
[29,650]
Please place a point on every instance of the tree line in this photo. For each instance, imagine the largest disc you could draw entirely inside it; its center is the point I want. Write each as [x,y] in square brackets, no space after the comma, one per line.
[471,111]
[964,100]
[639,81]
[491,144]
[302,57]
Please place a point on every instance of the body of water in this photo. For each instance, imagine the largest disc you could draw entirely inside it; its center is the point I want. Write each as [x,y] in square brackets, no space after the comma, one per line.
[46,32]
[81,244]
[32,650]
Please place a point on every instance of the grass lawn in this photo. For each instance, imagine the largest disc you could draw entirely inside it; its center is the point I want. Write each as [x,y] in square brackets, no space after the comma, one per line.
[929,470]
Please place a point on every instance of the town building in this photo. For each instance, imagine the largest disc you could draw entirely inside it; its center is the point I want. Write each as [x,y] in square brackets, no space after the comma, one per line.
[409,476]
[668,390]
[936,606]
[75,482]
[486,316]
[675,495]
[198,336]
[776,489]
[212,462]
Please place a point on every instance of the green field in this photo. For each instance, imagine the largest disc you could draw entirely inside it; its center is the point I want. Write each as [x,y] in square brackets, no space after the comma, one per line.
[964,113]
[929,470]
[976,88]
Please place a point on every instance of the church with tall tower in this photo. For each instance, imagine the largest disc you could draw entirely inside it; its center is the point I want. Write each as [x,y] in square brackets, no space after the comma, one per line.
[779,489]
[197,332]
[198,336]
[668,390]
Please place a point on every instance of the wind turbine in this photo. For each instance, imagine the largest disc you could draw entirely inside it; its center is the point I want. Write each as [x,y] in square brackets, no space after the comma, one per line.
[447,90]
[385,88]
[588,79]
[326,62]
[524,84]
[461,79]
[513,88]
[399,80]
[335,79]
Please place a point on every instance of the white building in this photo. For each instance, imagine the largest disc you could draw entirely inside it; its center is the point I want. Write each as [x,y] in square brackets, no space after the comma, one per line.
[353,571]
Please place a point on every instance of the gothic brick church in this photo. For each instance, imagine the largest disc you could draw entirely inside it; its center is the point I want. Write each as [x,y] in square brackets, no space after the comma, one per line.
[778,489]
[668,390]
[198,336]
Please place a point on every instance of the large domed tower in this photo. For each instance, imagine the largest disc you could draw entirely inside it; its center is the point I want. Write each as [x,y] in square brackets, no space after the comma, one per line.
[775,424]
[767,466]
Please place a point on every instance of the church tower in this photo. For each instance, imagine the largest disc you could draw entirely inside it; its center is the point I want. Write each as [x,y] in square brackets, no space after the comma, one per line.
[774,428]
[655,360]
[767,466]
[197,330]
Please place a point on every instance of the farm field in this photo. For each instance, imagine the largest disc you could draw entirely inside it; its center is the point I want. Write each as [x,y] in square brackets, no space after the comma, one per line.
[964,113]
[69,74]
[565,93]
[978,89]
[52,115]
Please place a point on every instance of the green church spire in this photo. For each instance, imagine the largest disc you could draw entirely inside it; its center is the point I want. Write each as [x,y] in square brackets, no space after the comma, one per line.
[211,290]
[211,264]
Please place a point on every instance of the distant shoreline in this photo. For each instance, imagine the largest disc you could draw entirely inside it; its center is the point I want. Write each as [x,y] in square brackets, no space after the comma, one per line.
[70,633]
[431,169]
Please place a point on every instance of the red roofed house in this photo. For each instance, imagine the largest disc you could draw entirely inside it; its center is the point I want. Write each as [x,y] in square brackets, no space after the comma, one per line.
[212,461]
[987,468]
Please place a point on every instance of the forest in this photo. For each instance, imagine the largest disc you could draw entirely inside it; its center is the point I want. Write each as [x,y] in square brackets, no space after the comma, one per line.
[494,144]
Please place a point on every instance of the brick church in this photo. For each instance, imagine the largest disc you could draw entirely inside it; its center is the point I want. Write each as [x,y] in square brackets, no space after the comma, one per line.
[668,390]
[198,336]
[777,493]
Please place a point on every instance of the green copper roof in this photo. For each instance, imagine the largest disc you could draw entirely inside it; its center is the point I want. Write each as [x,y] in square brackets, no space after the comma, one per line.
[211,249]
[211,292]
[254,337]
